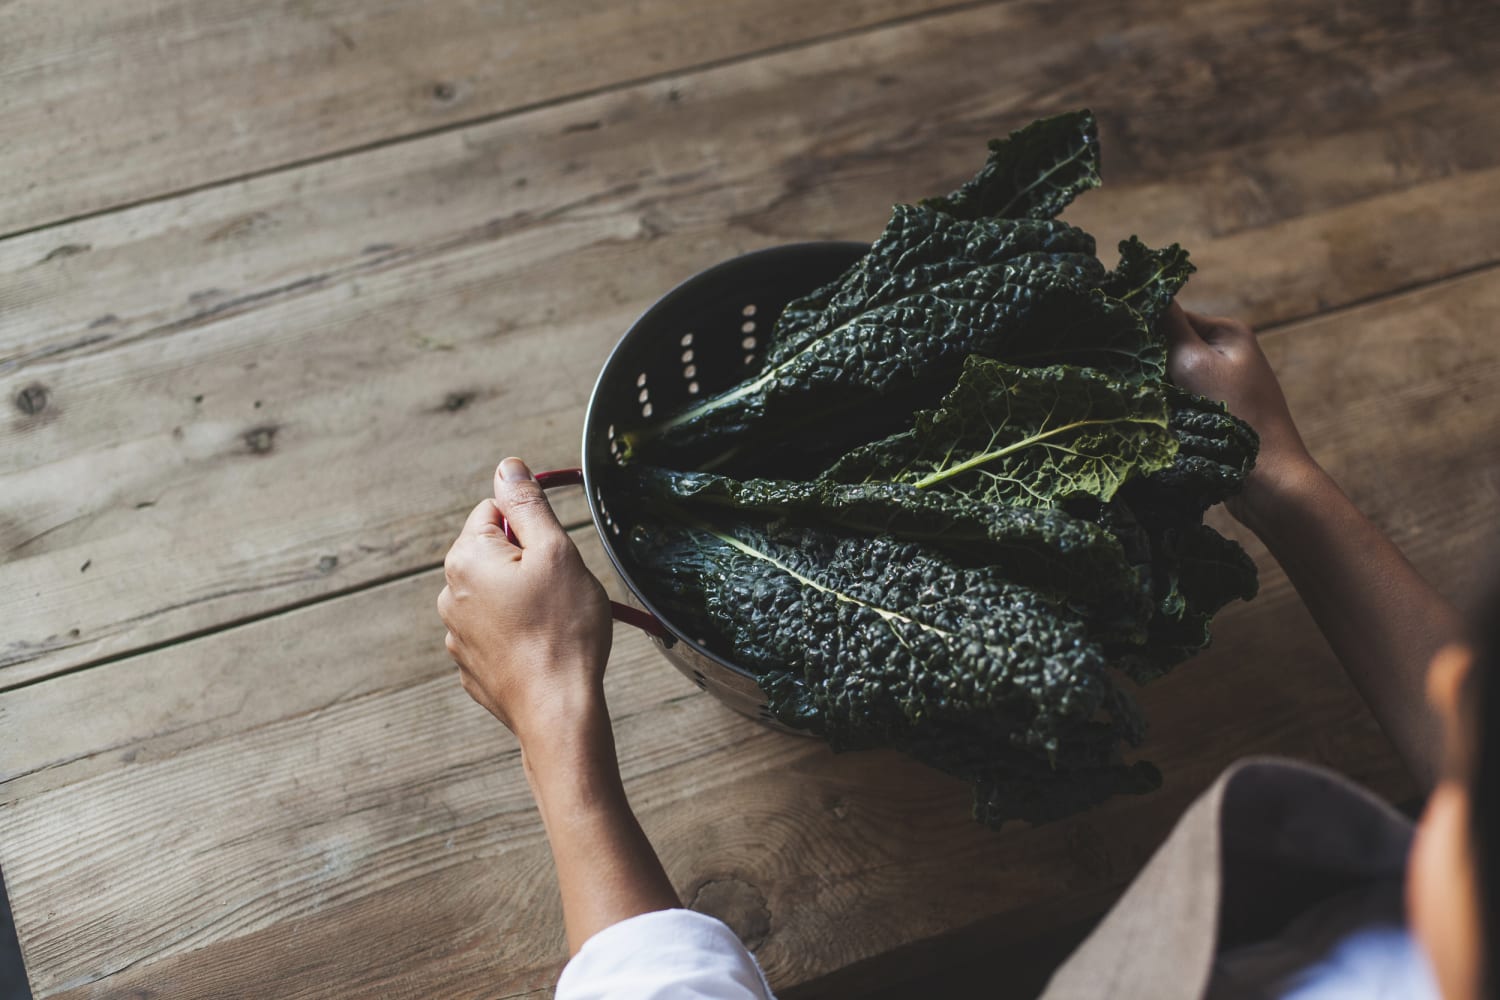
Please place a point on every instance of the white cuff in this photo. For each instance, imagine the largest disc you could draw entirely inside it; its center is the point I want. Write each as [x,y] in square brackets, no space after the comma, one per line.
[665,955]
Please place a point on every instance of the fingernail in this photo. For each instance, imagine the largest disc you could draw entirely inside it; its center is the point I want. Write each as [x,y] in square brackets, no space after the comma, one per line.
[514,470]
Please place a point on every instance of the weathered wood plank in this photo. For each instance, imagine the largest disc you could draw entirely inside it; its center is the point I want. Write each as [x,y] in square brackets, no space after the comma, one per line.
[155,97]
[316,810]
[404,317]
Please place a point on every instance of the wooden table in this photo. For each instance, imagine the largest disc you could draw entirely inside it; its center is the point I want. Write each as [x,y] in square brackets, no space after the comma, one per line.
[281,282]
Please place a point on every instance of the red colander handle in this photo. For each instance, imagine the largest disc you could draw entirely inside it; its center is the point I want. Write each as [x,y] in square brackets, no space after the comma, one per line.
[643,620]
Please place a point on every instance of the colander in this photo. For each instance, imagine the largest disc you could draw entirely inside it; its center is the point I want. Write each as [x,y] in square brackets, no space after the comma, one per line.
[700,338]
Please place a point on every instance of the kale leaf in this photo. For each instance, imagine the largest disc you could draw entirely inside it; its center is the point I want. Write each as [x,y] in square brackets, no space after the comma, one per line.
[1034,172]
[1048,550]
[913,343]
[919,249]
[1028,437]
[879,635]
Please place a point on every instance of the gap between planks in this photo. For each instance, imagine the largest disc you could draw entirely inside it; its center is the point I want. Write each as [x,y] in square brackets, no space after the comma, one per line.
[244,620]
[1280,328]
[582,94]
[1399,291]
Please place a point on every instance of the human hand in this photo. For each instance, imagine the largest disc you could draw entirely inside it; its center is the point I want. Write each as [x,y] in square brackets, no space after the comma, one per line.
[1221,359]
[528,625]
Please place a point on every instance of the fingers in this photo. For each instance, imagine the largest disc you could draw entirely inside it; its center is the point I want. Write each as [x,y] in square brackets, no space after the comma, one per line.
[483,518]
[519,498]
[472,548]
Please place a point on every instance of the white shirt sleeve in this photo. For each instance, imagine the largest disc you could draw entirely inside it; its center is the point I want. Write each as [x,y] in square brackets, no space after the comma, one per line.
[1352,946]
[666,955]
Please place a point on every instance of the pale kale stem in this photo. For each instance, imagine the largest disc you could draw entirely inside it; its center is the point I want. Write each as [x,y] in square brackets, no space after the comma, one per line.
[709,405]
[723,399]
[1127,296]
[984,457]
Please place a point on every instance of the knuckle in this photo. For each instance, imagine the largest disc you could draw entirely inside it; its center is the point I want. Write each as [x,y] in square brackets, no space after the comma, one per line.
[1185,365]
[554,546]
[529,499]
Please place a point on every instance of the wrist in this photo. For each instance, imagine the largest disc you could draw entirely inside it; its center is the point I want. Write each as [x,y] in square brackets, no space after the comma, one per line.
[568,747]
[1281,492]
[563,719]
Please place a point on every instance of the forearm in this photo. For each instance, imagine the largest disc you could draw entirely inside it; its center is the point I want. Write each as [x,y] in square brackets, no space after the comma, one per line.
[606,868]
[1382,619]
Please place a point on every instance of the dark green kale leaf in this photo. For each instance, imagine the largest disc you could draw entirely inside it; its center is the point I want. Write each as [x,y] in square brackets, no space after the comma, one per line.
[1031,437]
[1204,570]
[1119,333]
[914,342]
[1050,551]
[866,638]
[919,249]
[1215,452]
[1147,280]
[1033,173]
[1195,572]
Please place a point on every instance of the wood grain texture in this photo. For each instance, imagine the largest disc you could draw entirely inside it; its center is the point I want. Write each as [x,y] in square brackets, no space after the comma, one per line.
[160,95]
[291,386]
[309,807]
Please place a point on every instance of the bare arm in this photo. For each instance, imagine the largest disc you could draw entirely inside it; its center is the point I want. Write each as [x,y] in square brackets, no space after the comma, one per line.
[606,868]
[529,627]
[1382,619]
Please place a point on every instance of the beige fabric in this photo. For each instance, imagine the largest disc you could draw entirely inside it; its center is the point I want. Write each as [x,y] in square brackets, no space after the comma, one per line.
[1269,838]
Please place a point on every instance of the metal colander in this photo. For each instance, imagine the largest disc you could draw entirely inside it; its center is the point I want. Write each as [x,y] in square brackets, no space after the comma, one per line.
[700,338]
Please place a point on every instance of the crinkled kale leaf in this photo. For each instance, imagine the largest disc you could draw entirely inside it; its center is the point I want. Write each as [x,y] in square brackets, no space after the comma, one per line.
[904,635]
[998,525]
[1035,172]
[1072,559]
[1024,437]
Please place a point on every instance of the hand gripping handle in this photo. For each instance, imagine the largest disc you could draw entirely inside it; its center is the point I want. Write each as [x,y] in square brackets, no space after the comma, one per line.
[643,620]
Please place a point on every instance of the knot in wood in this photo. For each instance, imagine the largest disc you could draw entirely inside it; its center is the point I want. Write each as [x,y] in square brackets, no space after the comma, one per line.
[739,904]
[32,399]
[260,440]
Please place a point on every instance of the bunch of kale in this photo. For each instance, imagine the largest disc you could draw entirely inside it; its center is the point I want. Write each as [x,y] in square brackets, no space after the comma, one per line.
[1000,516]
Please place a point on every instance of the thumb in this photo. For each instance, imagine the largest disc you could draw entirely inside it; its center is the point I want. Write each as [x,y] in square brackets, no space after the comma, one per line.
[521,500]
